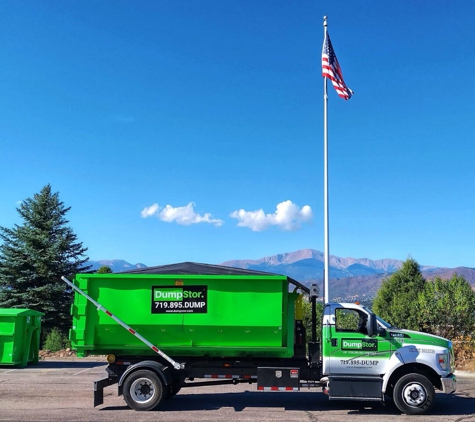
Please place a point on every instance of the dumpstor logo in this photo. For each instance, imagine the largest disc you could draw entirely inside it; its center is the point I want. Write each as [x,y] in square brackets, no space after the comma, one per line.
[359,344]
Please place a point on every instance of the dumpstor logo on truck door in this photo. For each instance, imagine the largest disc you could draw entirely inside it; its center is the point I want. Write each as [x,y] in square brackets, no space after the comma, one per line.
[359,344]
[183,299]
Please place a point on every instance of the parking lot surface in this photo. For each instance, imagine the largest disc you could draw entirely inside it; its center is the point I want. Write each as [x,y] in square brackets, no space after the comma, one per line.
[56,390]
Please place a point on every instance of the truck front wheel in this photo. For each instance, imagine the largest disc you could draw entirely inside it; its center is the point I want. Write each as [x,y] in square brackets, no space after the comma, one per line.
[414,394]
[143,390]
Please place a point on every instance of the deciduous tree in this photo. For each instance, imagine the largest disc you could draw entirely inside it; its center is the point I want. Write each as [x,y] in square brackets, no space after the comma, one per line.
[448,307]
[104,270]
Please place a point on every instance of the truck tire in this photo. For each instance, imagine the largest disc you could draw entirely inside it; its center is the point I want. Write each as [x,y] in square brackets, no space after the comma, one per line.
[143,390]
[414,394]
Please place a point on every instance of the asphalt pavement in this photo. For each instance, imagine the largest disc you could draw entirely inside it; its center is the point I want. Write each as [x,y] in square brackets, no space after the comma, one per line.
[62,390]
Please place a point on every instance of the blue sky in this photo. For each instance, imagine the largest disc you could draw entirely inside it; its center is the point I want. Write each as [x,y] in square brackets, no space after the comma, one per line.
[193,130]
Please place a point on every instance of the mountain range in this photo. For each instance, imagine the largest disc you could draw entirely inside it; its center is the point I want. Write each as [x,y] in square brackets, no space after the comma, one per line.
[350,278]
[116,265]
[308,264]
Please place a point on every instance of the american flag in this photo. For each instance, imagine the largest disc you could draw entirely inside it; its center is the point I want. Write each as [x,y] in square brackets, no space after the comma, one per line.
[331,69]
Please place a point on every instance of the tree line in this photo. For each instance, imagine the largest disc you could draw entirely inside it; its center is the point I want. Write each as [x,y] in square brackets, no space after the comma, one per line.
[442,307]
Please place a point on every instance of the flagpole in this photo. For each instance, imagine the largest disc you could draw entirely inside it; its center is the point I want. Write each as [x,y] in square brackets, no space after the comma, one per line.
[326,272]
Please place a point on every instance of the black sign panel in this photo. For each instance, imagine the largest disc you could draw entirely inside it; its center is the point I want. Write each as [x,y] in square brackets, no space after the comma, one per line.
[179,299]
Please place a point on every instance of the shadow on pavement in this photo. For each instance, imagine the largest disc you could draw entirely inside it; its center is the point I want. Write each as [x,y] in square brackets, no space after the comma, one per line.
[54,364]
[302,401]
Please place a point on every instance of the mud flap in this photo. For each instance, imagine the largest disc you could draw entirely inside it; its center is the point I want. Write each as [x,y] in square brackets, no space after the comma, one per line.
[99,389]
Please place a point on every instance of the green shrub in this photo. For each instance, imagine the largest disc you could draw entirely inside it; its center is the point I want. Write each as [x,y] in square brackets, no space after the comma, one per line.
[55,340]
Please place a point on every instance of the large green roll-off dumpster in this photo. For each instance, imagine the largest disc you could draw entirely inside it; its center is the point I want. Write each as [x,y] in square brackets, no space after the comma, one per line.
[20,331]
[230,314]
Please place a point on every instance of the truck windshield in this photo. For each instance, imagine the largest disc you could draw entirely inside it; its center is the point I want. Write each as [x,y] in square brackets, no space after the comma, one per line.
[383,322]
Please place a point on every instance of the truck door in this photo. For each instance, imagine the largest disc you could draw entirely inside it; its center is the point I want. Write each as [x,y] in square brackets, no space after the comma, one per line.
[348,349]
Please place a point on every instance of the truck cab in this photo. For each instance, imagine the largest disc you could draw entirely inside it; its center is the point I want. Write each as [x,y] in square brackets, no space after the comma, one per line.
[366,358]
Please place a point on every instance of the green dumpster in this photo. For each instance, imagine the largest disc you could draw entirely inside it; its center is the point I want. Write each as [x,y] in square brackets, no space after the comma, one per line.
[20,331]
[225,315]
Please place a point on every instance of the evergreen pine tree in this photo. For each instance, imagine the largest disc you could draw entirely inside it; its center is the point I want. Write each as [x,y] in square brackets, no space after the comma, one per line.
[397,299]
[34,256]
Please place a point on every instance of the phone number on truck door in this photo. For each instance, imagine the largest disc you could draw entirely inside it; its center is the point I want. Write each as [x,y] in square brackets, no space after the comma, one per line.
[358,362]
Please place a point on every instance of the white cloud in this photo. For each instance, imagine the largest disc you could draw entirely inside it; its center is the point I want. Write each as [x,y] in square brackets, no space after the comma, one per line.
[149,211]
[181,215]
[288,216]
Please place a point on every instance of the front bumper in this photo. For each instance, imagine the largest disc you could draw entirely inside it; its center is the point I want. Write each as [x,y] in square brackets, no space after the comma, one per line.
[449,384]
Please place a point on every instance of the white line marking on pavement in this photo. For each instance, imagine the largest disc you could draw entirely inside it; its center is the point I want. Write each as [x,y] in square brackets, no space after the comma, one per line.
[84,370]
[6,372]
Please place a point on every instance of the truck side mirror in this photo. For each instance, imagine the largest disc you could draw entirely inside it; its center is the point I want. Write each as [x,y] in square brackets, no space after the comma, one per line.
[372,325]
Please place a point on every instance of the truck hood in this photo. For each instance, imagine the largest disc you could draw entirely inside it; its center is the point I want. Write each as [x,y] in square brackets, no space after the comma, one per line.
[425,344]
[416,337]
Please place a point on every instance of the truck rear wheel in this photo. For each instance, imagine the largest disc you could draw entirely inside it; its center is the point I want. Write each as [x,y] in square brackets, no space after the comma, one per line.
[414,394]
[143,390]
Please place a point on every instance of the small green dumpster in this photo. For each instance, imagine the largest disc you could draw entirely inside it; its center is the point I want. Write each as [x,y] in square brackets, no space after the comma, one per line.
[20,331]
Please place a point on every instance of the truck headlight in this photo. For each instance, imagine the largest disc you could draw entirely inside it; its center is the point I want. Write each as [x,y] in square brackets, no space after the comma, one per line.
[443,361]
